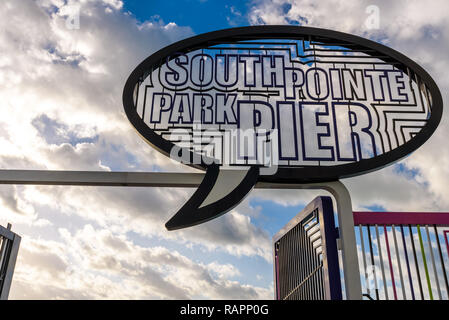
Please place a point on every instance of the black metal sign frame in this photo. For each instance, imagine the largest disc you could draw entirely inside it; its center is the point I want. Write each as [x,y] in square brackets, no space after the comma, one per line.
[291,174]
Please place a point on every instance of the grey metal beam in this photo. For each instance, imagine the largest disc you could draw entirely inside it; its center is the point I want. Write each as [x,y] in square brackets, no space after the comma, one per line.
[101,178]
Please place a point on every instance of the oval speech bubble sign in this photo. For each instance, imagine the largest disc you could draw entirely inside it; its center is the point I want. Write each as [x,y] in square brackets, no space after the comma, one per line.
[281,104]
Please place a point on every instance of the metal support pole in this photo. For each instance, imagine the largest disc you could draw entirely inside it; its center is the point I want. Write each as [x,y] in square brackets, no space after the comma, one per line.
[10,251]
[350,259]
[191,180]
[351,269]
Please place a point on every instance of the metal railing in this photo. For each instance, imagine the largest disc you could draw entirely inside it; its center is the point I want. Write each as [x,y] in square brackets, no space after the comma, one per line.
[404,254]
[9,248]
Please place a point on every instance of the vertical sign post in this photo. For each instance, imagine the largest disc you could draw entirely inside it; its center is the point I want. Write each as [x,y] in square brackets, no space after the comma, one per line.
[9,249]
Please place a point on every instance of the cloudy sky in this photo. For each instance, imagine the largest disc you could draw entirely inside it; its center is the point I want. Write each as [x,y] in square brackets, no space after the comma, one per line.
[61,81]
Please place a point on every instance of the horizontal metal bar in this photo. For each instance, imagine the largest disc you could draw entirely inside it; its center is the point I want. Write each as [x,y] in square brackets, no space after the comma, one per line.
[129,179]
[401,218]
[101,178]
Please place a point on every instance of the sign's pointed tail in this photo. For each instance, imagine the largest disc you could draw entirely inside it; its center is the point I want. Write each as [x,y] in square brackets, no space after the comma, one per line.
[219,192]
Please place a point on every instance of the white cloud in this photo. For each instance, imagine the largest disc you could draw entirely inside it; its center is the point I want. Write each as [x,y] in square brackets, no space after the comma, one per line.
[98,264]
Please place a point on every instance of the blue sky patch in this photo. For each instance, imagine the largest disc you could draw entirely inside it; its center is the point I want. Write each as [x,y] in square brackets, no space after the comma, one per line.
[201,15]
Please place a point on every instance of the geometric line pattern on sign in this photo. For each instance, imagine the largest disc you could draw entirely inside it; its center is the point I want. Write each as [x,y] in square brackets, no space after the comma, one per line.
[393,120]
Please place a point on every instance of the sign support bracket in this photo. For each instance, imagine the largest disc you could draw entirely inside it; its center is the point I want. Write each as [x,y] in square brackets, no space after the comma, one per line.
[192,180]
